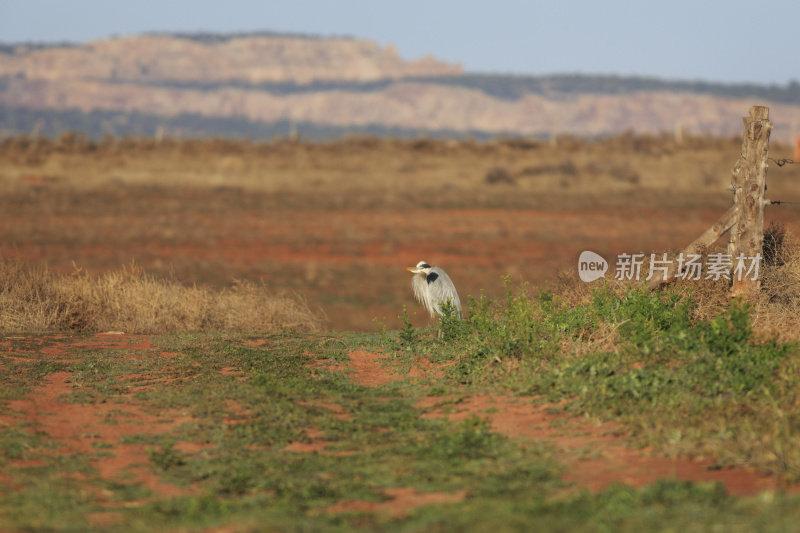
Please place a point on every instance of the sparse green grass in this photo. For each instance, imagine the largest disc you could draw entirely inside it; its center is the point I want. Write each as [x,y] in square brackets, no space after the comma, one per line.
[686,386]
[244,477]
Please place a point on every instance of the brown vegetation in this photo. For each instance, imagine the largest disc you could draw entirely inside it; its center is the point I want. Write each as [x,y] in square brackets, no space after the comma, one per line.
[130,300]
[337,222]
[777,307]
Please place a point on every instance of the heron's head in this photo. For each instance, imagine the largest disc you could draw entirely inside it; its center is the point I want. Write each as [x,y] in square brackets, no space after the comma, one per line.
[422,267]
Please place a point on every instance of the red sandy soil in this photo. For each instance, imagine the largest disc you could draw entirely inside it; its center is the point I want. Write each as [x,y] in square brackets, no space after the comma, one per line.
[239,414]
[79,427]
[317,445]
[367,369]
[233,371]
[607,459]
[257,342]
[350,263]
[610,459]
[338,410]
[401,501]
[51,348]
[596,455]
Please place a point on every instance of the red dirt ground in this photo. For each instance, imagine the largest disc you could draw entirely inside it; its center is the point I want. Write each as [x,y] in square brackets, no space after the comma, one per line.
[350,264]
[79,427]
[317,445]
[365,369]
[596,455]
[401,501]
[338,410]
[611,459]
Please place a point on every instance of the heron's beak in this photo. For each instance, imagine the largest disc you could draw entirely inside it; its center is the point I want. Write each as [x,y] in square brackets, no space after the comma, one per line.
[412,269]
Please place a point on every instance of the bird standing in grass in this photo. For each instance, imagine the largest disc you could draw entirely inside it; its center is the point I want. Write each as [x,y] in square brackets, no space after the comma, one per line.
[433,287]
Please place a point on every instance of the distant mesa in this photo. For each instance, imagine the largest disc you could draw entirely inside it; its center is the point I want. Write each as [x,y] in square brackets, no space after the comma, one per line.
[204,57]
[262,83]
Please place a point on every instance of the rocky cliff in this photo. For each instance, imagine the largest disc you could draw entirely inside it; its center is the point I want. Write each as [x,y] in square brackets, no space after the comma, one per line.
[148,59]
[350,83]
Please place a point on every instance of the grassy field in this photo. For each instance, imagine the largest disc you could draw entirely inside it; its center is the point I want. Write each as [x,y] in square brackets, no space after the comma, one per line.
[517,418]
[221,336]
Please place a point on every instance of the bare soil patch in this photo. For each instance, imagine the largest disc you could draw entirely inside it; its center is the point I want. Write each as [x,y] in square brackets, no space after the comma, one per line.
[367,369]
[85,428]
[232,371]
[337,410]
[317,445]
[364,367]
[400,502]
[597,454]
[237,413]
[80,427]
[116,341]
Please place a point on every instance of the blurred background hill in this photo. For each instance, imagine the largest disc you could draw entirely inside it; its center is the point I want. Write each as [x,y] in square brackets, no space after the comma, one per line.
[264,85]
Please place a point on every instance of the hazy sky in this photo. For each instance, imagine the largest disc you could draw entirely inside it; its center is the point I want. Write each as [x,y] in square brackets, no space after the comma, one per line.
[723,40]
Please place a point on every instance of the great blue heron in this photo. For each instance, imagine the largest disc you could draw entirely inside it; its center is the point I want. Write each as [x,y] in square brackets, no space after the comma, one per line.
[433,287]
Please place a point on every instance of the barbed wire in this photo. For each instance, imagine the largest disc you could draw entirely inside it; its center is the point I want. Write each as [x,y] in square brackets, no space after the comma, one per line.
[781,162]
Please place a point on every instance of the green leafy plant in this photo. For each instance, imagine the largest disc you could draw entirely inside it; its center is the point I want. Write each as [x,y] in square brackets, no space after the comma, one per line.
[167,456]
[408,337]
[453,327]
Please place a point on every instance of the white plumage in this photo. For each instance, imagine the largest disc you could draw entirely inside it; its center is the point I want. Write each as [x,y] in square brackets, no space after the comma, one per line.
[432,287]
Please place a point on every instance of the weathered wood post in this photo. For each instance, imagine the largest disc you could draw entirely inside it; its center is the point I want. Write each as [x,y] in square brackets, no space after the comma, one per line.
[709,237]
[745,218]
[749,185]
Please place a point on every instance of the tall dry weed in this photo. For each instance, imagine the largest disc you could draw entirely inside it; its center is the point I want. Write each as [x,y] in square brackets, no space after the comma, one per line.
[777,309]
[130,300]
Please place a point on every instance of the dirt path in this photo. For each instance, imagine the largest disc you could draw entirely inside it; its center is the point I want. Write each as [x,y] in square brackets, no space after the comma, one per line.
[400,502]
[597,456]
[85,428]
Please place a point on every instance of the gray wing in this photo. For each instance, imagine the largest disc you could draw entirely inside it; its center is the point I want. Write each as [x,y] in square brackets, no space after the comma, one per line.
[442,289]
[422,293]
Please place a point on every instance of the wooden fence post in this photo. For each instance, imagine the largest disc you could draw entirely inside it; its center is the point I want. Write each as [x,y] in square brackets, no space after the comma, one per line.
[749,185]
[745,218]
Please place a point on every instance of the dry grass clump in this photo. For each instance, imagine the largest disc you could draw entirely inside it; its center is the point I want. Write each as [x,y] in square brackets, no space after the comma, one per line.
[711,297]
[777,309]
[130,300]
